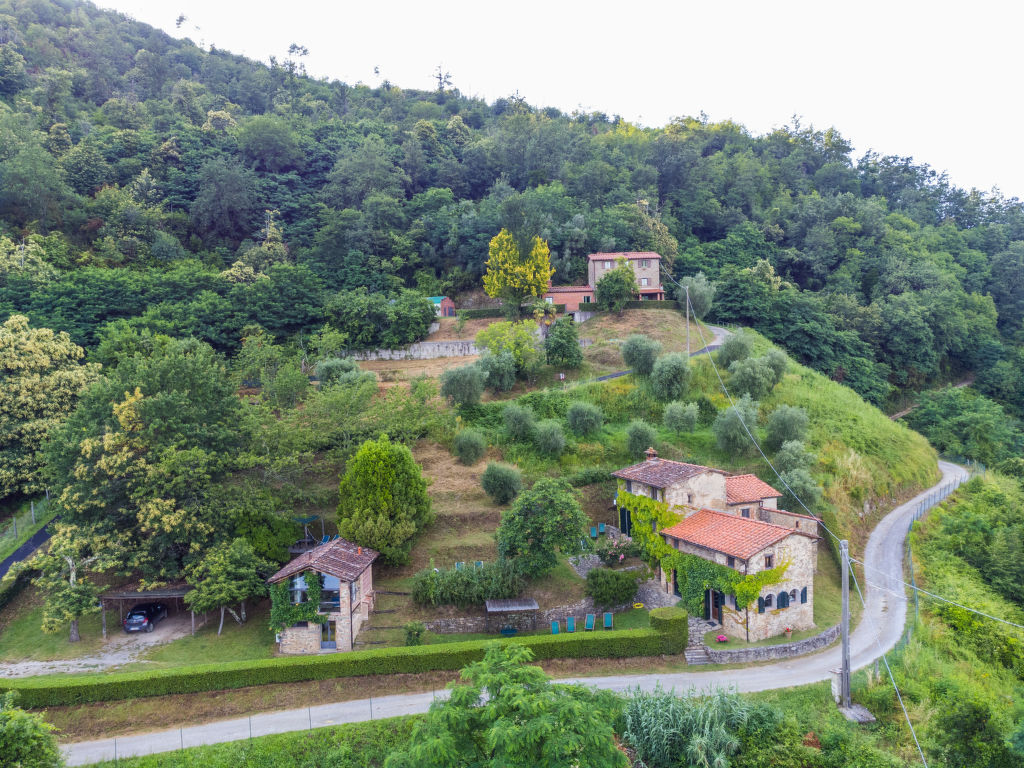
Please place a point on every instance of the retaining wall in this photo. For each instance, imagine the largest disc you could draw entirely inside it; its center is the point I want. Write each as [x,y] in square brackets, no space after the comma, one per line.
[421,350]
[780,651]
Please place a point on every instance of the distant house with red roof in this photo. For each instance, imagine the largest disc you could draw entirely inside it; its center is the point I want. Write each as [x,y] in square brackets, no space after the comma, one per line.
[345,572]
[646,265]
[733,520]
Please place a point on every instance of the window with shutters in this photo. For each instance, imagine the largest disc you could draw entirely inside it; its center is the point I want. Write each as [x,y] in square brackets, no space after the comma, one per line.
[586,299]
[645,263]
[607,265]
[730,561]
[792,596]
[644,282]
[803,595]
[783,600]
[769,562]
[745,512]
[768,601]
[629,486]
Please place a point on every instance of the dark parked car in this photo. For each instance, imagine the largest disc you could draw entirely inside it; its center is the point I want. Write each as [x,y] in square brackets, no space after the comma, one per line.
[144,616]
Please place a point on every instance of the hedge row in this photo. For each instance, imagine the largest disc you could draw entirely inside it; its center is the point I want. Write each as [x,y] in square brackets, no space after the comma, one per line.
[500,312]
[668,304]
[668,638]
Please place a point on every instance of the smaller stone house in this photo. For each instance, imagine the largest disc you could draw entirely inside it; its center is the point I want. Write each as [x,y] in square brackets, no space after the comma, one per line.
[750,546]
[346,573]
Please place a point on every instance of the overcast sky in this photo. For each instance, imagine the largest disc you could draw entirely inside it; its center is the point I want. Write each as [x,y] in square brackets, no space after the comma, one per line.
[938,80]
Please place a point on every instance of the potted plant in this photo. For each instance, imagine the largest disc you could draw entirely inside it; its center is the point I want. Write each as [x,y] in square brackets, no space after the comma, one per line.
[789,632]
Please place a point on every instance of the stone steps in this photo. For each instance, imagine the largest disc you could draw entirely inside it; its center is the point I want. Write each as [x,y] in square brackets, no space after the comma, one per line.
[697,656]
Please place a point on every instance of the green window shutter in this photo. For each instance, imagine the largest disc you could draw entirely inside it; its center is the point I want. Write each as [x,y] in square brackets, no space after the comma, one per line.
[760,605]
[803,595]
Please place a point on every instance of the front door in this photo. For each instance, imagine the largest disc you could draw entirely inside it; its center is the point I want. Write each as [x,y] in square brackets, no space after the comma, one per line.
[713,605]
[328,635]
[675,585]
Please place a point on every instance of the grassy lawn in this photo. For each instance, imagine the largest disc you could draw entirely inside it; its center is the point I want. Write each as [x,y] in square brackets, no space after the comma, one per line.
[252,640]
[22,639]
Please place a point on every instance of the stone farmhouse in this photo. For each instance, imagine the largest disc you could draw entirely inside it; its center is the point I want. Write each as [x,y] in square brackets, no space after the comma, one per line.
[346,573]
[733,520]
[646,265]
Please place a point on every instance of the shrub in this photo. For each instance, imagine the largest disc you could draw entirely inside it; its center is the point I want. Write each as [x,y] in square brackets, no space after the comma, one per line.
[549,438]
[706,409]
[463,385]
[639,437]
[681,417]
[730,433]
[331,369]
[736,346]
[499,371]
[669,377]
[562,346]
[701,294]
[639,353]
[414,633]
[787,422]
[469,586]
[288,386]
[502,482]
[588,476]
[751,376]
[584,418]
[470,446]
[778,362]
[792,455]
[518,339]
[614,551]
[543,521]
[519,423]
[800,485]
[610,588]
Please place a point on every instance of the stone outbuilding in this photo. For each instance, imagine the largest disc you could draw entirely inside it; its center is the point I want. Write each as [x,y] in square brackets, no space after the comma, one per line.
[750,546]
[346,598]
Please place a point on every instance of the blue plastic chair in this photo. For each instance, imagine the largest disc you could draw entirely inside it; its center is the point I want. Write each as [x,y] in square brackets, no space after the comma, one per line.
[479,563]
[459,566]
[508,631]
[589,625]
[600,528]
[554,627]
[570,623]
[325,539]
[593,532]
[607,621]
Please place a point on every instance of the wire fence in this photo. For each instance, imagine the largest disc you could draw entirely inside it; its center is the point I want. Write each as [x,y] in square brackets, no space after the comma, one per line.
[938,495]
[23,524]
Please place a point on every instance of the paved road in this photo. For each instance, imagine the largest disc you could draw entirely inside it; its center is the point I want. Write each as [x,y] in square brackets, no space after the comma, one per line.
[880,628]
[26,549]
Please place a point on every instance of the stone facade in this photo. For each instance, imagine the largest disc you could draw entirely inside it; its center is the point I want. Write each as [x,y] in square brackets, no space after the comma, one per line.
[344,621]
[645,267]
[749,624]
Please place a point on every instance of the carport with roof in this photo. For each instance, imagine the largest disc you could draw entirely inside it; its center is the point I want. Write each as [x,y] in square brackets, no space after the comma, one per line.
[164,594]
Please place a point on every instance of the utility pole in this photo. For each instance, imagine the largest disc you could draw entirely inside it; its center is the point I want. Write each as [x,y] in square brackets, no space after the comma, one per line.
[844,557]
[687,287]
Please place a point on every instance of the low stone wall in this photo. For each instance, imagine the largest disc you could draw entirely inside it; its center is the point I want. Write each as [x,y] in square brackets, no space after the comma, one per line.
[474,624]
[458,626]
[780,651]
[421,350]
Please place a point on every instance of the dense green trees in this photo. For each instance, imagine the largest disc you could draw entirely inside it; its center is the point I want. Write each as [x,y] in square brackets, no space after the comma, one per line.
[542,522]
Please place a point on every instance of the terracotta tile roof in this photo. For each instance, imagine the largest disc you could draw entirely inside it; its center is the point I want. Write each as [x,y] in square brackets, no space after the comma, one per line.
[741,488]
[569,288]
[337,557]
[729,534]
[623,255]
[661,473]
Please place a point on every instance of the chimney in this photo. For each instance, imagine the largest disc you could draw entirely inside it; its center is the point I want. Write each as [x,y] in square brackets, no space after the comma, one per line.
[651,454]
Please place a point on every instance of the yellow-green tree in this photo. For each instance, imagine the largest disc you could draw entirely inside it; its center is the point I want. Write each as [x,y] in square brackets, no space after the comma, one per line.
[512,277]
[41,377]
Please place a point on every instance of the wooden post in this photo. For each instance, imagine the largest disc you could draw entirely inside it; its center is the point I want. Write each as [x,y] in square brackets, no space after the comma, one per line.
[32,506]
[103,613]
[193,623]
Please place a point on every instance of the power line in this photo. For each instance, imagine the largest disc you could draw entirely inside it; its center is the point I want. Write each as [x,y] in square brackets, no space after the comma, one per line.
[932,595]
